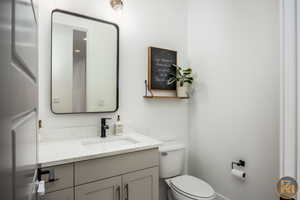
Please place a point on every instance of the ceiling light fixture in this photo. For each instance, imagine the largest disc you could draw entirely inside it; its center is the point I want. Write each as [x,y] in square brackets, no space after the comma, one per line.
[116,4]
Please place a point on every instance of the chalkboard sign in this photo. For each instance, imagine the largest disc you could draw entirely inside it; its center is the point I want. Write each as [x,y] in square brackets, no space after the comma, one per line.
[160,67]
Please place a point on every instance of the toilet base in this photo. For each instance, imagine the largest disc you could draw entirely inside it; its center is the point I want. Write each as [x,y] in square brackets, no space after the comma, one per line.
[170,195]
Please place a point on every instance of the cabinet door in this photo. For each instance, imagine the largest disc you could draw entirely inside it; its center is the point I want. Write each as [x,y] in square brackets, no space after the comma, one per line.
[141,185]
[62,175]
[67,194]
[108,189]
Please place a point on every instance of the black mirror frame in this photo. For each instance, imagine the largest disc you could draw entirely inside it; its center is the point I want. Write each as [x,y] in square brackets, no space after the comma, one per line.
[118,55]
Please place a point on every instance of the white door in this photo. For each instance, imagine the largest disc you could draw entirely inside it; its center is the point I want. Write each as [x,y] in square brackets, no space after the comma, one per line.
[18,93]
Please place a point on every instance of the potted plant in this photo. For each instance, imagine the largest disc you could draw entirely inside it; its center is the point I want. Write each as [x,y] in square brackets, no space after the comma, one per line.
[183,78]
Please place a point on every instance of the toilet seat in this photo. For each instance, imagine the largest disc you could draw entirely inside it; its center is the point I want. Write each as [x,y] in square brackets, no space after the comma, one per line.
[190,187]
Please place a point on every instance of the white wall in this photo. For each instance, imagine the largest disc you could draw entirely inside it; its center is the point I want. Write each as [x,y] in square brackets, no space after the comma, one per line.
[142,23]
[234,48]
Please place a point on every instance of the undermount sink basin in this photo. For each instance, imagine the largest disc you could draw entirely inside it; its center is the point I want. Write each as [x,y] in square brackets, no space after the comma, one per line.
[112,142]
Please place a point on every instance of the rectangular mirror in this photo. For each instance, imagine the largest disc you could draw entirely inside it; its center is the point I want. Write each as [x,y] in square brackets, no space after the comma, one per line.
[85,64]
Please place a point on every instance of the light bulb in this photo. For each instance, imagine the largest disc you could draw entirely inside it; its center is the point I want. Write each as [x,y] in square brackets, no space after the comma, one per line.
[116,4]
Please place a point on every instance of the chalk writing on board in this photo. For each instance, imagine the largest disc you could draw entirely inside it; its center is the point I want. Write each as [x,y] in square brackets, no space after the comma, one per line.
[160,69]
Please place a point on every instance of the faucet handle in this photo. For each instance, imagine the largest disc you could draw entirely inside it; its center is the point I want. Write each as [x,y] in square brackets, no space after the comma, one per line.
[103,121]
[105,118]
[104,126]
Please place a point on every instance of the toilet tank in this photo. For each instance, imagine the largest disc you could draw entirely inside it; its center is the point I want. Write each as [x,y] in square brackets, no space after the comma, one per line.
[171,159]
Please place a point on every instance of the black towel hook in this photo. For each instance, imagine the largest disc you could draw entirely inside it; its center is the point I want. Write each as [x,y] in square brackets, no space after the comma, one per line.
[240,163]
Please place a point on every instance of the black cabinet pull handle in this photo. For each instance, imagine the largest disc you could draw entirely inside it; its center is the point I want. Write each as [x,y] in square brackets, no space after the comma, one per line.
[119,192]
[51,175]
[42,172]
[126,192]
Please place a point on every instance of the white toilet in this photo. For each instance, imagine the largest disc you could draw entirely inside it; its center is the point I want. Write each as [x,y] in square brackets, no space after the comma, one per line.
[181,187]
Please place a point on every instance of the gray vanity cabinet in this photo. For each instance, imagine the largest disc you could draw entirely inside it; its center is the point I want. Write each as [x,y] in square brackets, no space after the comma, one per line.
[63,175]
[67,194]
[141,185]
[130,176]
[108,189]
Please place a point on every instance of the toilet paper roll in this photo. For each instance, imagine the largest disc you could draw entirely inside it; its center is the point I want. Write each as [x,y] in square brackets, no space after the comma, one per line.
[239,174]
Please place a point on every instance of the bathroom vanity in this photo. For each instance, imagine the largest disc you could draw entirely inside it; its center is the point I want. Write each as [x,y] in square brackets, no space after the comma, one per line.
[114,168]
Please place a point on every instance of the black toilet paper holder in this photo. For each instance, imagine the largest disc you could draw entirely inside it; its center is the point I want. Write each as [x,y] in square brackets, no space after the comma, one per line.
[240,163]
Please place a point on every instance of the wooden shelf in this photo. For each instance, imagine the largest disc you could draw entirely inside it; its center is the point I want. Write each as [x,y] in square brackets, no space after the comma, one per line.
[165,97]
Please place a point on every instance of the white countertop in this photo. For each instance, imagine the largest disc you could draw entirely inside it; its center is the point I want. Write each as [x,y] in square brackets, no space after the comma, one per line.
[63,151]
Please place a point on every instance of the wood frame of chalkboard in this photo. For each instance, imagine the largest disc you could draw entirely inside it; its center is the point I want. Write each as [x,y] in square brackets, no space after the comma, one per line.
[151,86]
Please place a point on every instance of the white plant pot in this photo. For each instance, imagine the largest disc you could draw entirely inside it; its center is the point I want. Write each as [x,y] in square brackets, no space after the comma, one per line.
[182,91]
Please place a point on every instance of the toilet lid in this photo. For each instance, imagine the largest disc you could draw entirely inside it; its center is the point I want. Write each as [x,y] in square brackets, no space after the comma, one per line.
[192,186]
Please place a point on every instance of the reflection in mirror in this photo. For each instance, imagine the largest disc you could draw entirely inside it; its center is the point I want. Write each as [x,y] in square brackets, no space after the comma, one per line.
[84,64]
[79,71]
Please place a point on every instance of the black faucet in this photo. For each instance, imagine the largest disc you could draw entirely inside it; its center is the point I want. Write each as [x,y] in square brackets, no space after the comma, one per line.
[104,127]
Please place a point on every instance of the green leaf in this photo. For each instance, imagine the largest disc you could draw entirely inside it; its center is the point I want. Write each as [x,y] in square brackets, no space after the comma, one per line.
[188,70]
[188,81]
[172,74]
[179,74]
[171,81]
[178,68]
